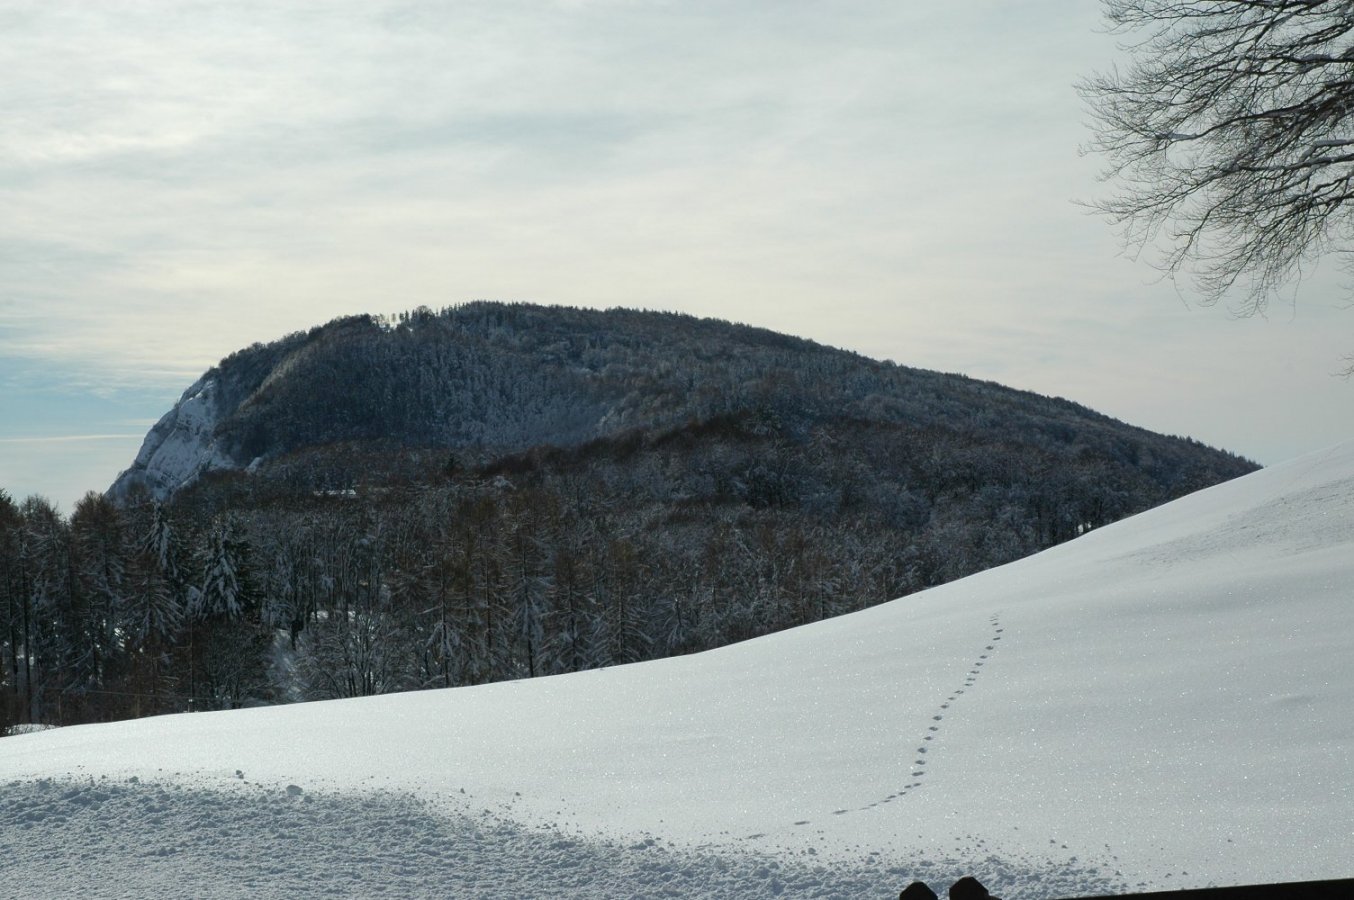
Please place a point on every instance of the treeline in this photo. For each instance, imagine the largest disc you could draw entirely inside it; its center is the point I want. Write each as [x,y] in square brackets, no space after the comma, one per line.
[359,569]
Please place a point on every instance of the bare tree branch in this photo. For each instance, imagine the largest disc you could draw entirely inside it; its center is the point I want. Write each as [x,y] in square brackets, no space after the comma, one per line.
[1229,136]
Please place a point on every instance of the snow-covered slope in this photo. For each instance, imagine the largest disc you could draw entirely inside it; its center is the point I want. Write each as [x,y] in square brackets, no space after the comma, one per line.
[180,447]
[1165,702]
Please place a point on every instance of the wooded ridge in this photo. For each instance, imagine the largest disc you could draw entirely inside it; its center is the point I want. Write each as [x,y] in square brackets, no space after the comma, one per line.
[497,491]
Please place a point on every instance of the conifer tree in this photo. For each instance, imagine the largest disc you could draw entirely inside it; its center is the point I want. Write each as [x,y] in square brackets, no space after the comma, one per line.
[221,594]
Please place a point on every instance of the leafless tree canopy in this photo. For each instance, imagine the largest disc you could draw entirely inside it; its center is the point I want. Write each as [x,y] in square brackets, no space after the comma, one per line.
[1229,137]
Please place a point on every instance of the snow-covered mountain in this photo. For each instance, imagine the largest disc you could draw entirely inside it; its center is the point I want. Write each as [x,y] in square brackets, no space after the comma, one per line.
[180,447]
[1165,702]
[490,379]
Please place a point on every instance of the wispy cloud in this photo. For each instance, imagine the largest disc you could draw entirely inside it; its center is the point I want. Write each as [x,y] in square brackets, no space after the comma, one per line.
[69,438]
[182,191]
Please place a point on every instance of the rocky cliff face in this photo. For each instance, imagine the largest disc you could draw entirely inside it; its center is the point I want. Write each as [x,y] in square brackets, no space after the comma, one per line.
[180,447]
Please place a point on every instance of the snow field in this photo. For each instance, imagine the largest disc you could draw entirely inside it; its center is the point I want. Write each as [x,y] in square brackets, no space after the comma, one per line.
[69,838]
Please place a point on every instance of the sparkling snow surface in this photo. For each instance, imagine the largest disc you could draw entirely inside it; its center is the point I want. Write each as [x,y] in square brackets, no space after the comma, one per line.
[1165,702]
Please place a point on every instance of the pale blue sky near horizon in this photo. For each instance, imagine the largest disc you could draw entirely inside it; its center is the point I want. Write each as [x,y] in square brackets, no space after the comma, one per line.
[181,178]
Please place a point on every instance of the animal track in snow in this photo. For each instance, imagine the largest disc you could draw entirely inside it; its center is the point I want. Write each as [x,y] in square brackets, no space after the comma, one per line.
[918,769]
[970,679]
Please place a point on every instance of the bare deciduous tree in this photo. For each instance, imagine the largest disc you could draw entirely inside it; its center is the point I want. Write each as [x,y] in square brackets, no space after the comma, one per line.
[1230,137]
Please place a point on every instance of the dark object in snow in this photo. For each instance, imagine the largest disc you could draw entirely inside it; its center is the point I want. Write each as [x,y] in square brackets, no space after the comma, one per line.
[917,890]
[1335,889]
[970,888]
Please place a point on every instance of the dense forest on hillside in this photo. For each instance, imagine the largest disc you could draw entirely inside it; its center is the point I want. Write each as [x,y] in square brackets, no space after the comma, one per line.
[497,492]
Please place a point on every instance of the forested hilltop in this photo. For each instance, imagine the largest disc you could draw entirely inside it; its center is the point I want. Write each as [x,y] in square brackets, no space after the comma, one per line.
[497,491]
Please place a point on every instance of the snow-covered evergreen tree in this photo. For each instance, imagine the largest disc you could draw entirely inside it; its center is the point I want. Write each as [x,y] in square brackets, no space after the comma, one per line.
[161,543]
[220,594]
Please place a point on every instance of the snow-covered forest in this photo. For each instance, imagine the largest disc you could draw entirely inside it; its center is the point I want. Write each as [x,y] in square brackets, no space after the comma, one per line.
[1161,703]
[495,492]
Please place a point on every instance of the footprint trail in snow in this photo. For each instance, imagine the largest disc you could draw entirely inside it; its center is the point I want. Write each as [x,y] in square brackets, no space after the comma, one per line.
[926,745]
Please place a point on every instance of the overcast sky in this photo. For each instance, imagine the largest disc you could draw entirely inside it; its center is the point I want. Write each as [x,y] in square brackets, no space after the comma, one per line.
[181,179]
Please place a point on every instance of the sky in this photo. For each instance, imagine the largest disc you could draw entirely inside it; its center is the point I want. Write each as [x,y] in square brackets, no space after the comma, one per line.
[182,178]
